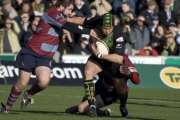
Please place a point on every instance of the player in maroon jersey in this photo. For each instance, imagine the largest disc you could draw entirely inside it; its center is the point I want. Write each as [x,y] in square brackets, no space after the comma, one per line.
[36,55]
[105,92]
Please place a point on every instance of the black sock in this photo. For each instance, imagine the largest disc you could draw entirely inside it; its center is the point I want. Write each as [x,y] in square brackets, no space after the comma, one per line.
[90,91]
[100,112]
[123,100]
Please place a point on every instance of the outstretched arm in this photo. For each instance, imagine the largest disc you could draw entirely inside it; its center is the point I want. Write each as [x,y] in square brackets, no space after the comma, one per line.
[77,20]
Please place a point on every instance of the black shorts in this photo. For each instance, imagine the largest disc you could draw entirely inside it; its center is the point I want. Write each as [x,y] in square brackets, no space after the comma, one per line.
[112,68]
[28,60]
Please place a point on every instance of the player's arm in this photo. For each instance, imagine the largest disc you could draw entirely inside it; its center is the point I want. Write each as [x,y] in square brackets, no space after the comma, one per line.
[77,20]
[117,56]
[130,72]
[86,22]
[60,22]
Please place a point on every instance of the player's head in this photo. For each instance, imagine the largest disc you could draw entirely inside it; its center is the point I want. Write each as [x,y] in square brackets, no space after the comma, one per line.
[107,23]
[65,7]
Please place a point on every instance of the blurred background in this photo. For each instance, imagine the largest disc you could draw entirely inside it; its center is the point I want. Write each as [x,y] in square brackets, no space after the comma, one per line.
[152,41]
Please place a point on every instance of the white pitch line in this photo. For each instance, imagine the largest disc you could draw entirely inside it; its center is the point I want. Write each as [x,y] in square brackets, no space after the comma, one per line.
[76,96]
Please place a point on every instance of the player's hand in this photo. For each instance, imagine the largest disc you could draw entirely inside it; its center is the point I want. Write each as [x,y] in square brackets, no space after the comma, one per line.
[124,70]
[95,33]
[95,50]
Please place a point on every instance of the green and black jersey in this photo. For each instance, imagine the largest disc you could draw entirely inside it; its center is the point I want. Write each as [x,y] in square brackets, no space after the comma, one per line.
[115,41]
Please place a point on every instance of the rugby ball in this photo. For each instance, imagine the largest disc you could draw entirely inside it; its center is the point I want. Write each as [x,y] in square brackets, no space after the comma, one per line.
[102,47]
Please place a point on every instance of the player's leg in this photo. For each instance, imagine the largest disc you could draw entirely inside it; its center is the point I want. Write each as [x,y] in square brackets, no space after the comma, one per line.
[25,63]
[43,79]
[120,84]
[91,69]
[16,90]
[42,72]
[102,98]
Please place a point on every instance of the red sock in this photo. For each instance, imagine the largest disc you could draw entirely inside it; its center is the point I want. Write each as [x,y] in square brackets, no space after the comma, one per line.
[14,95]
[34,89]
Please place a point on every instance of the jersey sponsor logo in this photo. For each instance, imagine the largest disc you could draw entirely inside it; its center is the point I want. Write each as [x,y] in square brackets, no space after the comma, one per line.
[119,46]
[170,76]
[109,40]
[80,27]
[132,69]
[57,17]
[120,39]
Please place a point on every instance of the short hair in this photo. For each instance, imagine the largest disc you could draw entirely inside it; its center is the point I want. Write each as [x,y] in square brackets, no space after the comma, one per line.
[64,3]
[125,3]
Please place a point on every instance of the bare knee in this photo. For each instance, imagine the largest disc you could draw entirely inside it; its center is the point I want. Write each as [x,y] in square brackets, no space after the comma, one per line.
[43,82]
[81,109]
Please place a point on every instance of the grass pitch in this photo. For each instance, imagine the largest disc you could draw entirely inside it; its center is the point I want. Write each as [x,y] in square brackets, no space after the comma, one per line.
[50,104]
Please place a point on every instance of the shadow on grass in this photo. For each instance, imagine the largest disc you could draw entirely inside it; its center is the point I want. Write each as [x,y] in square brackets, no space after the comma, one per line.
[57,113]
[36,112]
[146,104]
[139,118]
[155,99]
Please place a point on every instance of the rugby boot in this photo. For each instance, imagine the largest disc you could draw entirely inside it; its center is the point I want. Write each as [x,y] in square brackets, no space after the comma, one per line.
[108,112]
[26,101]
[92,111]
[4,110]
[124,112]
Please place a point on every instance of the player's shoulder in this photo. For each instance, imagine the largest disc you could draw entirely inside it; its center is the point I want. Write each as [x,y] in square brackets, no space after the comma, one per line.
[118,30]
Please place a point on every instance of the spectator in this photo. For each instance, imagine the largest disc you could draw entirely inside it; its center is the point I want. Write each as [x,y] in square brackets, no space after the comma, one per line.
[149,13]
[26,7]
[116,20]
[130,18]
[93,12]
[2,19]
[142,36]
[23,23]
[170,47]
[67,45]
[9,37]
[158,39]
[175,6]
[125,9]
[148,51]
[129,37]
[118,3]
[178,32]
[83,48]
[144,5]
[26,35]
[8,10]
[155,21]
[50,3]
[166,15]
[81,9]
[38,7]
[102,6]
[172,28]
[37,18]
[17,4]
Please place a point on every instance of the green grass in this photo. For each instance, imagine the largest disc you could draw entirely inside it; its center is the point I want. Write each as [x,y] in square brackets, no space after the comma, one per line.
[50,104]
